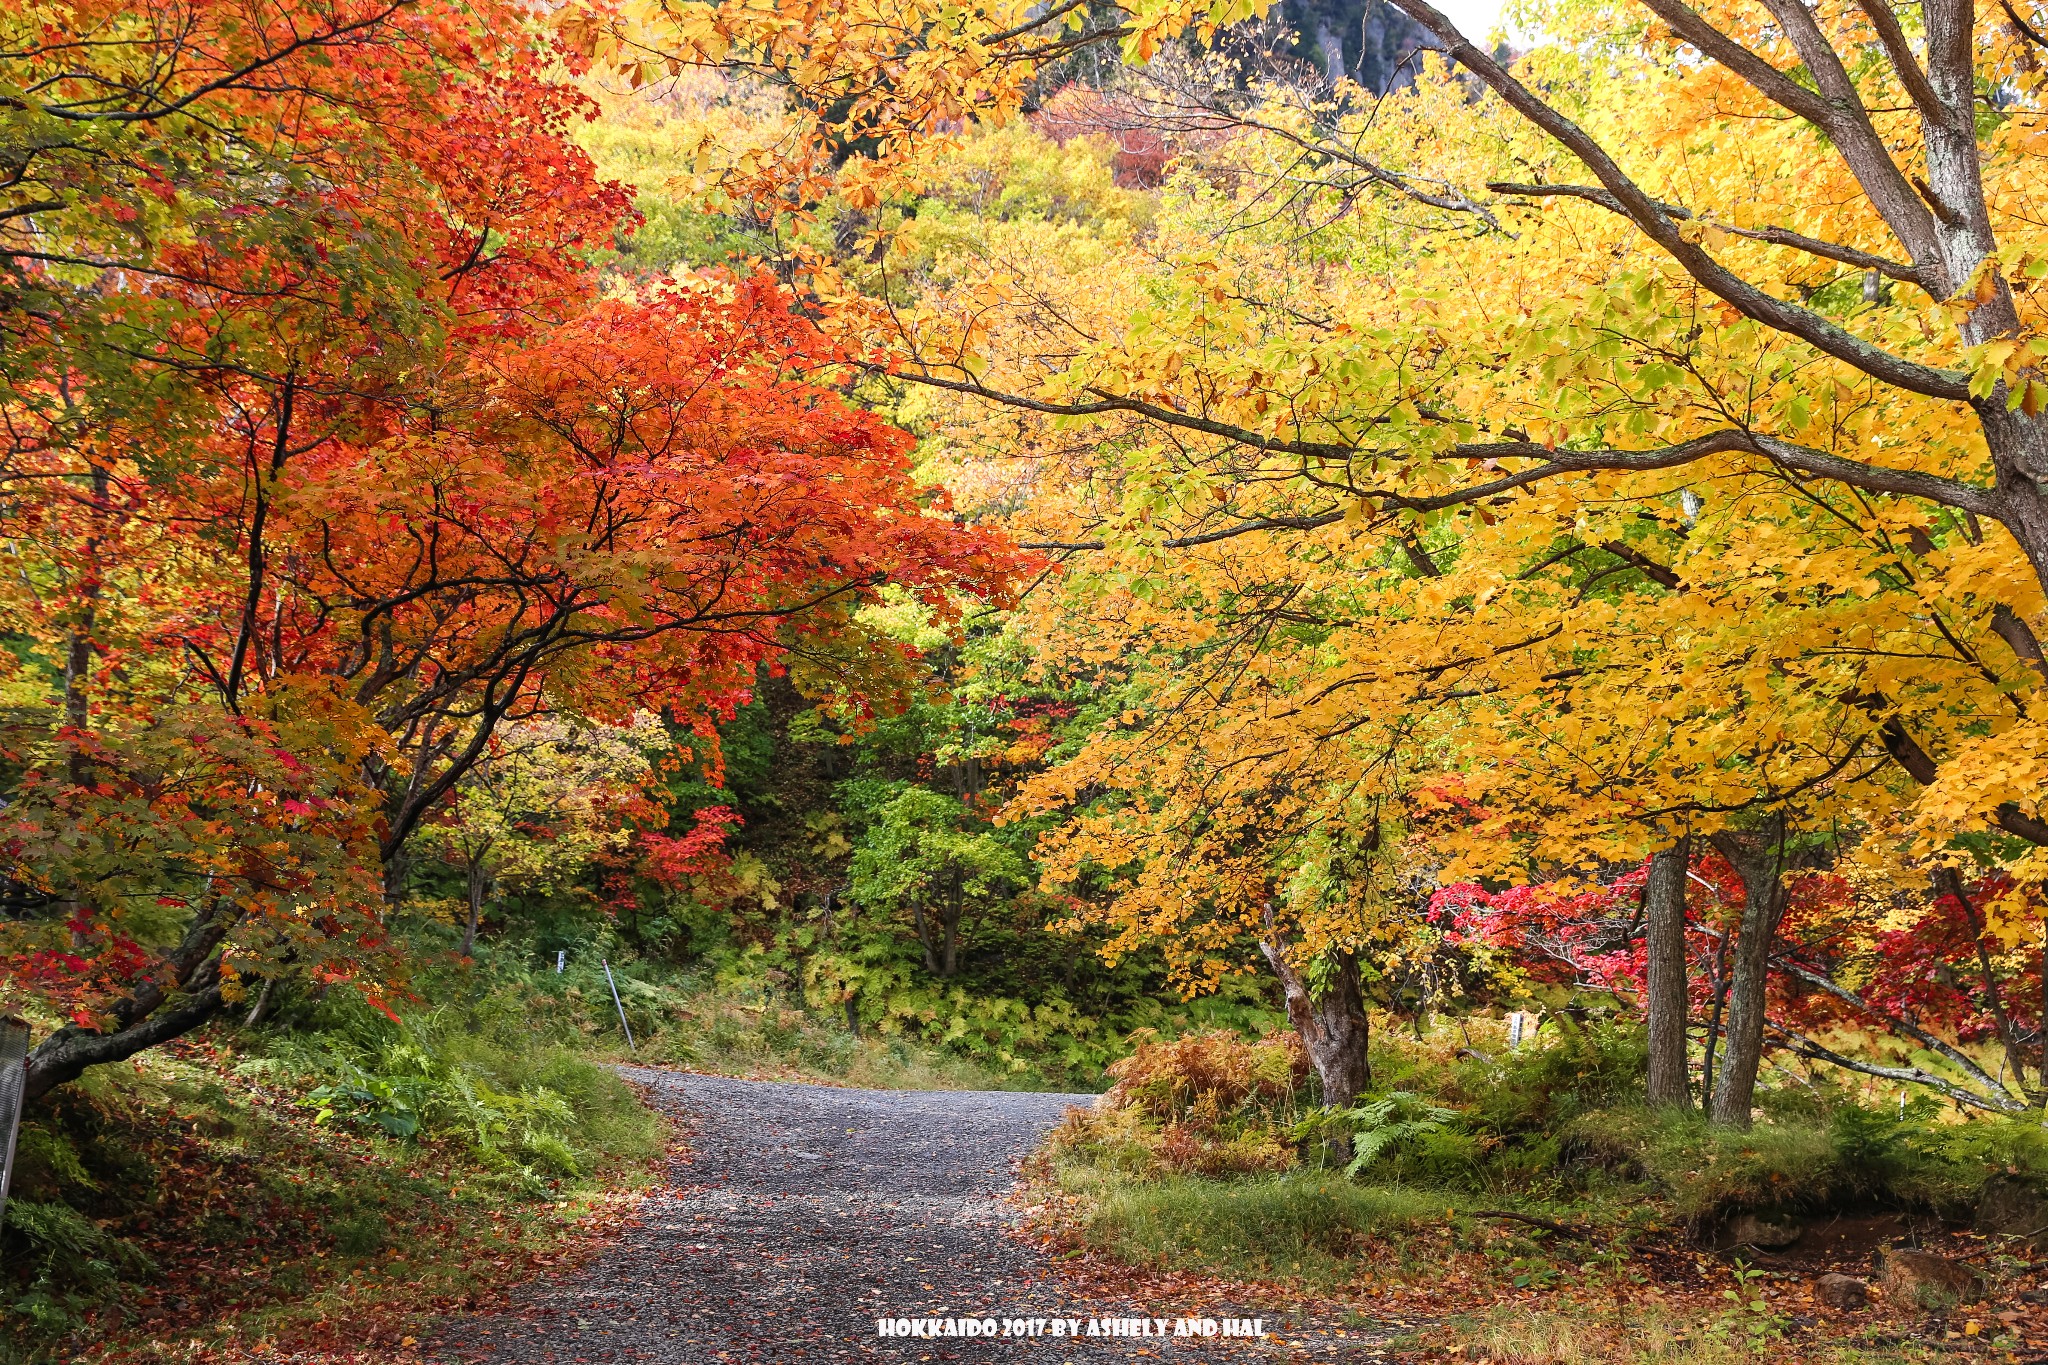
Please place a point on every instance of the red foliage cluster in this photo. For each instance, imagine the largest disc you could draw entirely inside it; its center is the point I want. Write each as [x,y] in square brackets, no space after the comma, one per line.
[1940,970]
[1147,140]
[669,861]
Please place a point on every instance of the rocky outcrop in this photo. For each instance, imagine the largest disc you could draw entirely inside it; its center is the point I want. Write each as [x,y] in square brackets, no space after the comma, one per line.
[1368,41]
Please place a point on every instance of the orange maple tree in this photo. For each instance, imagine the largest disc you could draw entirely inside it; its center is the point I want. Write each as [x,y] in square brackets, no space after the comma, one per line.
[327,460]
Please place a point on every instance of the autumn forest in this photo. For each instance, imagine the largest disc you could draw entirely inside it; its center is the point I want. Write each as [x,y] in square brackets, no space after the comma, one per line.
[1451,621]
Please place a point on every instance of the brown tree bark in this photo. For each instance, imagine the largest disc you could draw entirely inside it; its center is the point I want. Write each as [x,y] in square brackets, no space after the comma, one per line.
[938,933]
[1760,859]
[259,1011]
[1333,1025]
[1667,989]
[183,996]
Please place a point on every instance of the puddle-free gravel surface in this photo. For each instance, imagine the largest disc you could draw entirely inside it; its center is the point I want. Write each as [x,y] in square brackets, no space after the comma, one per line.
[803,1214]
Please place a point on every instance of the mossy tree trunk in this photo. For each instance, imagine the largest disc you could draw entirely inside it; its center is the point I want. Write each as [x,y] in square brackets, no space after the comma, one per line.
[1759,857]
[1332,1023]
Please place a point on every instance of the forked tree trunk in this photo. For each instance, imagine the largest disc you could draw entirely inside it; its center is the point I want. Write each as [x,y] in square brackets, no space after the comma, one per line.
[1760,859]
[938,934]
[1667,990]
[1332,1025]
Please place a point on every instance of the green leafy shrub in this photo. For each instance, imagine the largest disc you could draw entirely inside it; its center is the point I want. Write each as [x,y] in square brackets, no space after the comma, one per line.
[1539,1090]
[1563,1120]
[1839,1156]
[72,1262]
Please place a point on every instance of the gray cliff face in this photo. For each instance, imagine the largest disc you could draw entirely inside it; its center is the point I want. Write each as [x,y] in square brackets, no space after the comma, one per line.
[1368,41]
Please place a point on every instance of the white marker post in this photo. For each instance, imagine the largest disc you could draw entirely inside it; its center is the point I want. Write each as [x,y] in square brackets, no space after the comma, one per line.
[631,1046]
[13,1082]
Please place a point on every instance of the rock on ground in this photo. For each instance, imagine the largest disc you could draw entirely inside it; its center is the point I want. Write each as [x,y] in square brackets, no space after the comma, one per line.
[1844,1293]
[1921,1279]
[802,1214]
[1770,1232]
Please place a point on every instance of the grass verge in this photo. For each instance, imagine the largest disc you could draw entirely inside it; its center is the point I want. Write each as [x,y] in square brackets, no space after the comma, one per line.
[1305,1226]
[764,1039]
[1621,1332]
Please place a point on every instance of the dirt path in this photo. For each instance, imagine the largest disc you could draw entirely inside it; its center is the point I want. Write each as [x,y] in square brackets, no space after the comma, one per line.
[804,1213]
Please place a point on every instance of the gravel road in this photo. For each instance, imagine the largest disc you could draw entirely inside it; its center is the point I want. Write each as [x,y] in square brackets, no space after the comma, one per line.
[802,1214]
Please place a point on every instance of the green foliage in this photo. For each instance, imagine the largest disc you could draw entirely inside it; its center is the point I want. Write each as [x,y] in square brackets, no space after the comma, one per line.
[71,1262]
[821,948]
[1380,1127]
[526,1109]
[1850,1157]
[1749,1318]
[1538,1090]
[932,856]
[321,1137]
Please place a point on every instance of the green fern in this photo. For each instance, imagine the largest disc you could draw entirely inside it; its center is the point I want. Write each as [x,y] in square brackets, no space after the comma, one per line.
[1378,1126]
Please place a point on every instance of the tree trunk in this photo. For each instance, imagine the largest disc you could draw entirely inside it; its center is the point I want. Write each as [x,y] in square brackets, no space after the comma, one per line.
[1760,859]
[1333,1026]
[476,904]
[397,870]
[1947,881]
[261,1008]
[1719,983]
[924,937]
[1669,997]
[163,1007]
[65,1054]
[955,908]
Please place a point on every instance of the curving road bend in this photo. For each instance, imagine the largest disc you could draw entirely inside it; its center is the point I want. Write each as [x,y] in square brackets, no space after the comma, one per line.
[802,1214]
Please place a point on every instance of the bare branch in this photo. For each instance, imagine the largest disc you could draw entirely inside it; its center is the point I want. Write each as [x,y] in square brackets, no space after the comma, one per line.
[1898,1022]
[2019,637]
[2026,29]
[326,38]
[1901,52]
[1800,459]
[1913,1075]
[1776,236]
[1837,109]
[1449,199]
